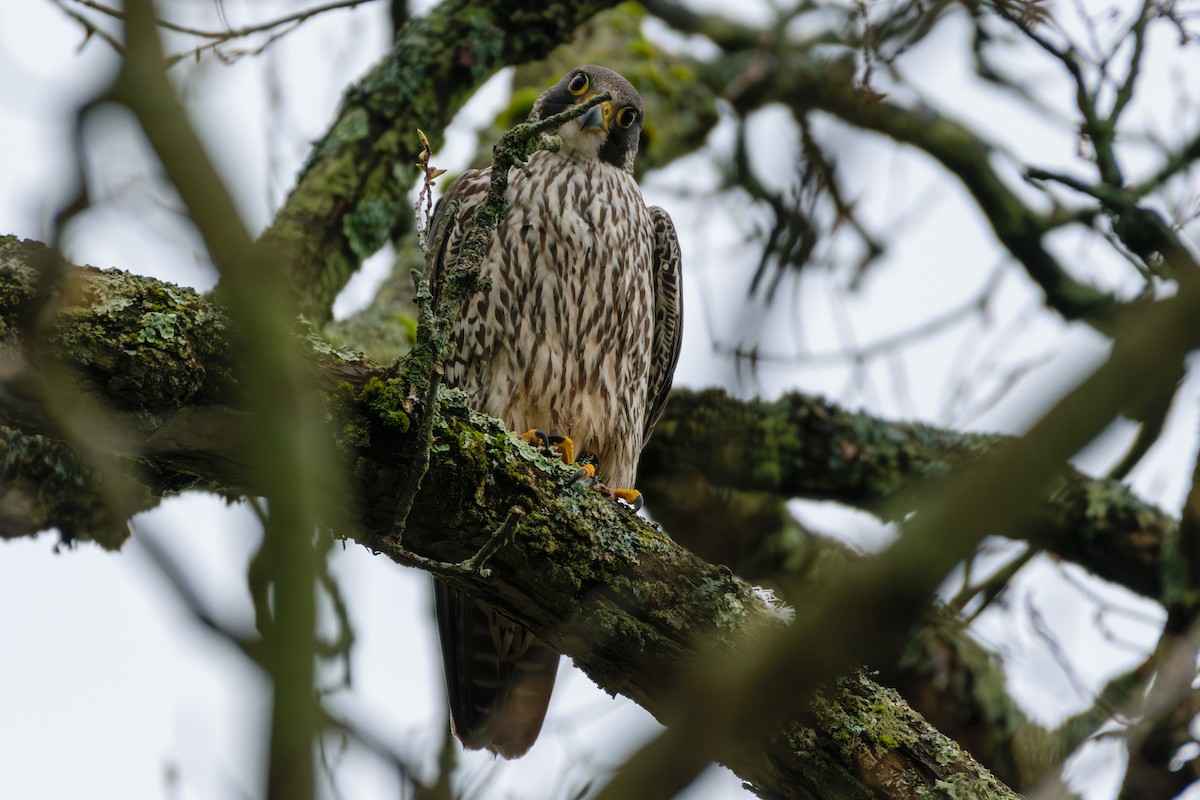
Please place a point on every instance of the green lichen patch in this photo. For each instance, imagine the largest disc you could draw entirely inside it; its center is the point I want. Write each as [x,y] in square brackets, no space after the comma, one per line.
[157,326]
[868,722]
[152,345]
[18,281]
[369,226]
[386,400]
[44,480]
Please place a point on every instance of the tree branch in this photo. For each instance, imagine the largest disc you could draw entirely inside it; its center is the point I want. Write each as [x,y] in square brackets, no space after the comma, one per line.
[805,446]
[753,73]
[188,437]
[163,356]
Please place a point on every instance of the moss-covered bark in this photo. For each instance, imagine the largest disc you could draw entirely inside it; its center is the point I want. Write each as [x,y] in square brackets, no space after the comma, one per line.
[43,484]
[147,345]
[805,446]
[880,747]
[114,332]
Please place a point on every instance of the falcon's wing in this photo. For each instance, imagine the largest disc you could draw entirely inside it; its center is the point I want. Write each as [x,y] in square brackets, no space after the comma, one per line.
[464,196]
[668,316]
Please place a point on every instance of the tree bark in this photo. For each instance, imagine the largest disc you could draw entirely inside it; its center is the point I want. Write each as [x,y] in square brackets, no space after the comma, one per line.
[805,446]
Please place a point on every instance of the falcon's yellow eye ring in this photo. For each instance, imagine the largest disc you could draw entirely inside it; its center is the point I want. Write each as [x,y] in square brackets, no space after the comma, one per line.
[626,116]
[578,84]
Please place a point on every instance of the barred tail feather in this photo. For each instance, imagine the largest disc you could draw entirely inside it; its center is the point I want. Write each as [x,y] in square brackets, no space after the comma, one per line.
[499,677]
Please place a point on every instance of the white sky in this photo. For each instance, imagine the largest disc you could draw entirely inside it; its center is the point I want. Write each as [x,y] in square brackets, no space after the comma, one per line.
[109,689]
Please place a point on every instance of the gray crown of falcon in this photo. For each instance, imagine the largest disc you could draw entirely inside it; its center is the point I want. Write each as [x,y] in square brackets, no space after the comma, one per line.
[579,336]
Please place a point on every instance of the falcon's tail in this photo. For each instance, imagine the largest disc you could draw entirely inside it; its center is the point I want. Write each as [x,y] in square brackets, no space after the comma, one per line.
[498,675]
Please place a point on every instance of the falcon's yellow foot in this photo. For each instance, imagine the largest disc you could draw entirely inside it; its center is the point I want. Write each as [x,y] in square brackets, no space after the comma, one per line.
[631,497]
[563,444]
[585,471]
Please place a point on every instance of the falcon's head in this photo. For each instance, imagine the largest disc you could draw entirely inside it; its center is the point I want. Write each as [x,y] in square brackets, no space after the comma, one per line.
[609,131]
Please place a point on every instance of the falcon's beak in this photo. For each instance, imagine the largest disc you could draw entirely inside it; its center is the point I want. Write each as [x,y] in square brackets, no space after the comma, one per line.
[597,117]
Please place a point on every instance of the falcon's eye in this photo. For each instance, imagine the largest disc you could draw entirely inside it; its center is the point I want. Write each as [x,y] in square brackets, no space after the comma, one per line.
[578,84]
[626,116]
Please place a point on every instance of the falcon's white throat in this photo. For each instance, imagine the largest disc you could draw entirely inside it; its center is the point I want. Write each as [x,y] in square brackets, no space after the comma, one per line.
[581,145]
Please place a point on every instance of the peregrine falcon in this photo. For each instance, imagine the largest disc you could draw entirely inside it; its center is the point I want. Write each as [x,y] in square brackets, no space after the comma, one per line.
[579,334]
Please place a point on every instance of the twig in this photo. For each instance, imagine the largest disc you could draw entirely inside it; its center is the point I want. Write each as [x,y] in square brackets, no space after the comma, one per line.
[230,56]
[992,586]
[229,33]
[1042,632]
[474,564]
[378,743]
[216,37]
[250,646]
[341,645]
[1137,30]
[90,29]
[978,304]
[424,205]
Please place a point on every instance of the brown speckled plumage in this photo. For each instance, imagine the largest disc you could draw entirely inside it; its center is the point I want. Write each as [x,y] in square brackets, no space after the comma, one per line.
[579,335]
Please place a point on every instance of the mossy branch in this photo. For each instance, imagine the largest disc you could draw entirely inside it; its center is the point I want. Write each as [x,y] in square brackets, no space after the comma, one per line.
[604,586]
[807,447]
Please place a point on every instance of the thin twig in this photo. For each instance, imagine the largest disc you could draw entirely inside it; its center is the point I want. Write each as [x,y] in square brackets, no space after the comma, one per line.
[991,587]
[881,347]
[231,56]
[216,37]
[1125,91]
[90,29]
[474,564]
[424,205]
[190,597]
[229,33]
[377,742]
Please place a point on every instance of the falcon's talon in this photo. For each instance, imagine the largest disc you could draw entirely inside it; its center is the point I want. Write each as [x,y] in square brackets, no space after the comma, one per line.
[552,441]
[564,446]
[536,437]
[631,497]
